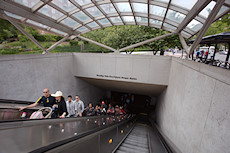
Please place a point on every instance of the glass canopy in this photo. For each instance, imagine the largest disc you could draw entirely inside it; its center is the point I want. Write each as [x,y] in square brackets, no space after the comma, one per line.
[74,17]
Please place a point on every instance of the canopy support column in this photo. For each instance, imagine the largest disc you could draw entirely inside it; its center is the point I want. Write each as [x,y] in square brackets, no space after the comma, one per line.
[227,58]
[206,25]
[82,46]
[25,33]
[146,41]
[97,43]
[184,45]
[214,54]
[57,43]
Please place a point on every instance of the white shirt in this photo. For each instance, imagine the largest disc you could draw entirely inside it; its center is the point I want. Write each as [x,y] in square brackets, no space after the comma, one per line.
[70,107]
[79,106]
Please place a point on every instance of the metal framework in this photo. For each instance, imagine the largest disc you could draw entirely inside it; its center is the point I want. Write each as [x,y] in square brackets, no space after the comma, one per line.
[145,42]
[208,22]
[72,18]
[57,43]
[25,33]
[184,45]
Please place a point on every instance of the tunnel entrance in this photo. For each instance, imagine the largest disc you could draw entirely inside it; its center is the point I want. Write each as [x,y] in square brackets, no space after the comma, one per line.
[135,103]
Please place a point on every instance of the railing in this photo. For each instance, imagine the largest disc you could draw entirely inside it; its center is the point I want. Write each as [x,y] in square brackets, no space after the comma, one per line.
[100,140]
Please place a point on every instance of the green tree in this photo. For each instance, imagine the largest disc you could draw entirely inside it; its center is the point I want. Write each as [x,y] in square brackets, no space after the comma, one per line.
[7,30]
[221,25]
[121,36]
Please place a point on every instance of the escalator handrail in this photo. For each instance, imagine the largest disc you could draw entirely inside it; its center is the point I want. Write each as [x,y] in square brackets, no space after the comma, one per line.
[74,138]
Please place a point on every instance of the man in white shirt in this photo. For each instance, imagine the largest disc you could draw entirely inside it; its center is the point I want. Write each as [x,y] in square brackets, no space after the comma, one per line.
[70,104]
[79,106]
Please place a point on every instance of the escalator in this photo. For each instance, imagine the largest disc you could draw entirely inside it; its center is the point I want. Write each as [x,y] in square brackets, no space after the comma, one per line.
[143,137]
[106,134]
[137,141]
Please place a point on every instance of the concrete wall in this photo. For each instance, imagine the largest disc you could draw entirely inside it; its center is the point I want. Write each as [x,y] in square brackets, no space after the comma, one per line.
[23,77]
[129,68]
[193,112]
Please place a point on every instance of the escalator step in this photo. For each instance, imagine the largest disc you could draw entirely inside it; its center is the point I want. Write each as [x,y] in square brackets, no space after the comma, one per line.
[138,136]
[120,151]
[135,147]
[128,150]
[136,144]
[137,141]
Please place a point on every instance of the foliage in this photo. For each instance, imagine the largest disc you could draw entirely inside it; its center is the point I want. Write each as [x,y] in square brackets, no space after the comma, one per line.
[221,25]
[27,46]
[7,30]
[121,36]
[4,51]
[116,37]
[41,38]
[48,38]
[73,43]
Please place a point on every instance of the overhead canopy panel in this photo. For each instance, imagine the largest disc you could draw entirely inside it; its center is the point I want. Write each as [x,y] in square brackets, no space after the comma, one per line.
[213,39]
[76,17]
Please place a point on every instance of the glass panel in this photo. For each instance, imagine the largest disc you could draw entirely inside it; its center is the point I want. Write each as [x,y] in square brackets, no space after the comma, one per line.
[123,7]
[82,29]
[28,3]
[222,9]
[57,31]
[169,26]
[94,11]
[128,18]
[195,25]
[141,19]
[138,7]
[81,16]
[184,3]
[82,2]
[207,10]
[153,21]
[187,35]
[37,24]
[50,12]
[156,10]
[69,22]
[64,4]
[92,24]
[115,19]
[103,21]
[175,16]
[13,15]
[108,8]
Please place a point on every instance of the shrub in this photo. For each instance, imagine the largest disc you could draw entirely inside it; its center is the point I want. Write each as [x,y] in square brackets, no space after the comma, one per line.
[9,51]
[22,38]
[24,45]
[40,38]
[73,43]
[47,44]
[57,38]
